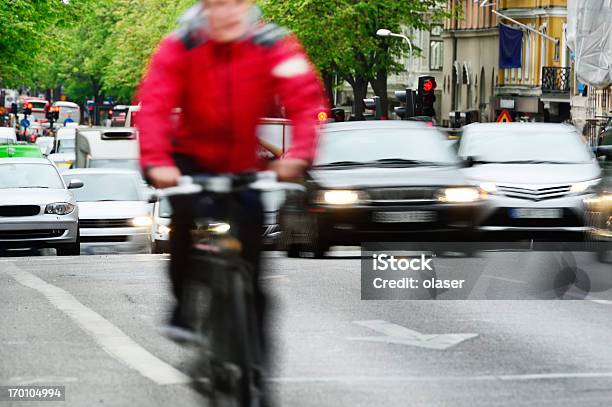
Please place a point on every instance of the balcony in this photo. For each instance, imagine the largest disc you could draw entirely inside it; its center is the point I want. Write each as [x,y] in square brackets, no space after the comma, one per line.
[556,80]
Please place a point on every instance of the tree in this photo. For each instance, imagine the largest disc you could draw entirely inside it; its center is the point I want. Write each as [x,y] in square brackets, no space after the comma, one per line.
[357,54]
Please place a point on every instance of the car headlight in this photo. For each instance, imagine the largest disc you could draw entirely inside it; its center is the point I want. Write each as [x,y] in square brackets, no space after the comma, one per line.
[339,197]
[219,228]
[141,221]
[584,187]
[163,229]
[59,208]
[459,195]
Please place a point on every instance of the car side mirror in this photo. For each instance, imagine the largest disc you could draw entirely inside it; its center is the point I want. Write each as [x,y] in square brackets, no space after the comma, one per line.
[75,183]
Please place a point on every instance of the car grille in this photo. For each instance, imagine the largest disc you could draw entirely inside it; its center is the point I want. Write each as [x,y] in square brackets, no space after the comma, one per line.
[105,223]
[501,217]
[401,195]
[19,210]
[30,234]
[103,239]
[537,194]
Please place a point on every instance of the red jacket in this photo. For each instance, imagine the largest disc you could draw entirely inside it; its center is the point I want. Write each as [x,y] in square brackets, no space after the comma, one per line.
[223,89]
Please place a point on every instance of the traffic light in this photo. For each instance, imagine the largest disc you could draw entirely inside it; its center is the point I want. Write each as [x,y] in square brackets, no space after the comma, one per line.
[27,109]
[406,99]
[426,97]
[14,108]
[375,105]
[56,111]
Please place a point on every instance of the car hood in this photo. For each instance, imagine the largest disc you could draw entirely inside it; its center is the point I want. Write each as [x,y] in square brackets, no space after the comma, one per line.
[364,177]
[34,196]
[113,209]
[61,157]
[532,173]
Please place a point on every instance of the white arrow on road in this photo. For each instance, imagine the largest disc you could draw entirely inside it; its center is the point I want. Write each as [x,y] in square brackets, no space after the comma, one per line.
[398,334]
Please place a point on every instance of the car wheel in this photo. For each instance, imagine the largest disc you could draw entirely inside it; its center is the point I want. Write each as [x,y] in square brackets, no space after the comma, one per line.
[71,249]
[316,243]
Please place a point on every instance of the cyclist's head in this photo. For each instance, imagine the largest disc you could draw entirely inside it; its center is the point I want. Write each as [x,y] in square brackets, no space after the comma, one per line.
[227,19]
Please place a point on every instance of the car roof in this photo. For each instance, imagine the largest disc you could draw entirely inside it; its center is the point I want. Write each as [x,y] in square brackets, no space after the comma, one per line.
[100,171]
[65,104]
[375,124]
[25,160]
[502,127]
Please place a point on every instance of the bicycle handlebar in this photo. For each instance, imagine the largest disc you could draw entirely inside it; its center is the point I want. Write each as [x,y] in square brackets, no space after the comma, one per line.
[262,181]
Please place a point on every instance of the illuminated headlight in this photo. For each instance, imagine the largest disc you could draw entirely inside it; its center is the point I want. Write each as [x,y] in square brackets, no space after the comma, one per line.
[59,208]
[339,197]
[141,221]
[584,187]
[163,229]
[459,195]
[219,228]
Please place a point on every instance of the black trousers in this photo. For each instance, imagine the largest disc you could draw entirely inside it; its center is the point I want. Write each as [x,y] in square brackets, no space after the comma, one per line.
[248,214]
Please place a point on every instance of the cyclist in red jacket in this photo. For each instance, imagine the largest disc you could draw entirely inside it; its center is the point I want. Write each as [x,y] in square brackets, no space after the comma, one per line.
[223,68]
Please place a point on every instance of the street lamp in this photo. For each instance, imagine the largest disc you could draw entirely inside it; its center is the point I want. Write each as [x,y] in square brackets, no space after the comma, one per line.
[383,32]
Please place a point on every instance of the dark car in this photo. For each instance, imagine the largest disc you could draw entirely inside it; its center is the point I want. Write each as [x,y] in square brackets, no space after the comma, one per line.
[379,181]
[599,214]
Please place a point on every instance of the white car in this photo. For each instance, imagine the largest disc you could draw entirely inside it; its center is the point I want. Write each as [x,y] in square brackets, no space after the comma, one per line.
[64,150]
[115,215]
[36,208]
[536,176]
[7,135]
[45,144]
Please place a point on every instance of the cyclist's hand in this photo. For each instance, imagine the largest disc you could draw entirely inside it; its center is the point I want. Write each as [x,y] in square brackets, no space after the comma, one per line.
[163,177]
[289,169]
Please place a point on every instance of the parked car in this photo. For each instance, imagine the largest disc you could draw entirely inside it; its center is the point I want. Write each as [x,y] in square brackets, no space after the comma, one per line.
[115,215]
[162,213]
[379,181]
[536,175]
[36,208]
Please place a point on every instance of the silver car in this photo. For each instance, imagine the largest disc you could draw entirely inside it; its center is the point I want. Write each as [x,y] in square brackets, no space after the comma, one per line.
[536,176]
[115,215]
[36,208]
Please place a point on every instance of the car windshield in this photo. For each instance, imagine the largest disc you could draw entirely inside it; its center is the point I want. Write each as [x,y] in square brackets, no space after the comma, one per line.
[525,146]
[165,209]
[393,146]
[65,146]
[119,164]
[24,175]
[105,187]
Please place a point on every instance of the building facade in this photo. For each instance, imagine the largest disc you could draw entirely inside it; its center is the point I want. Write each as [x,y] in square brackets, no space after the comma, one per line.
[470,63]
[476,89]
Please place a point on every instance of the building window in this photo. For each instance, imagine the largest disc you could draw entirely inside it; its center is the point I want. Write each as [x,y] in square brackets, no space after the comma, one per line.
[435,55]
[557,49]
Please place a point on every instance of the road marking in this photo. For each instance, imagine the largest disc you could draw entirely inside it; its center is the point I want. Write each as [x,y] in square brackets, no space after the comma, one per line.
[398,334]
[508,280]
[272,277]
[108,336]
[25,380]
[410,379]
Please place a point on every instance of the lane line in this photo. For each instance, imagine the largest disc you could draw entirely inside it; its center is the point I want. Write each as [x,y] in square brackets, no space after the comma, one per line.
[409,379]
[112,339]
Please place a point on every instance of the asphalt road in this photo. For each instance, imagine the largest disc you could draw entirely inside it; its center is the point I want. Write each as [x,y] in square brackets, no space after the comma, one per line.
[90,323]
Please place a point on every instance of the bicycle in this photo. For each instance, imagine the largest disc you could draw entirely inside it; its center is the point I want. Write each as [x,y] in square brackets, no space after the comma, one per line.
[231,358]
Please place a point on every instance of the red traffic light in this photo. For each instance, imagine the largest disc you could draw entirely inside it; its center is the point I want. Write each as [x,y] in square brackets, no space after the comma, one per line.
[428,85]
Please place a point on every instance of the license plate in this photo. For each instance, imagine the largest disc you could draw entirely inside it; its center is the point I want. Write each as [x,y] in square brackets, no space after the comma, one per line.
[535,213]
[405,217]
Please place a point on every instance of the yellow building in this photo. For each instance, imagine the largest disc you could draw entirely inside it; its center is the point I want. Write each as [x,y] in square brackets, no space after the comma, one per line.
[540,89]
[476,89]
